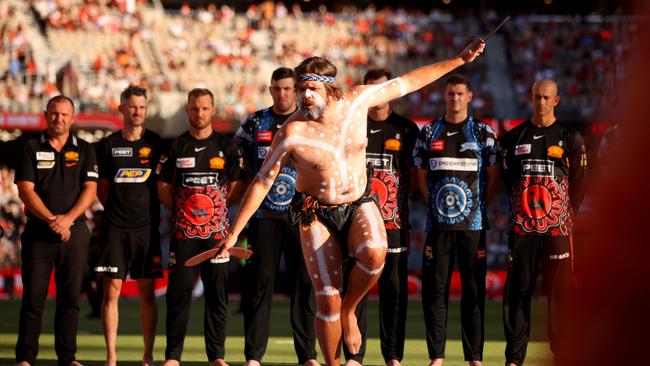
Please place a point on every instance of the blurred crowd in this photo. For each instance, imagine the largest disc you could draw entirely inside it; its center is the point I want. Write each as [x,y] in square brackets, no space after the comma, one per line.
[114,43]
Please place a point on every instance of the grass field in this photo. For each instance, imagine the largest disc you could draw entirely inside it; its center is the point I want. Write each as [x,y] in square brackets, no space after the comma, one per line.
[280,349]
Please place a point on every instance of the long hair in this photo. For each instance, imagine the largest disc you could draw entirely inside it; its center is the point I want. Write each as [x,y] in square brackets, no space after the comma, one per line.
[320,66]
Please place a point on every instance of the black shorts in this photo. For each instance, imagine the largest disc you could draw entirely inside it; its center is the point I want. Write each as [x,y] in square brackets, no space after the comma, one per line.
[132,251]
[397,240]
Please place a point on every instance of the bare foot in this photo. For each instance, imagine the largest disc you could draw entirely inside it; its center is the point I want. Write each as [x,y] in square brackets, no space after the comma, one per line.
[351,333]
[311,362]
[75,363]
[218,362]
[23,363]
[436,362]
[147,362]
[352,363]
[393,362]
[110,363]
[511,364]
[252,363]
[171,363]
[475,363]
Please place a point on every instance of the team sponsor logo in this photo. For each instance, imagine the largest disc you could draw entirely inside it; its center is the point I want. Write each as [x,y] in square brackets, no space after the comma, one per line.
[392,145]
[185,162]
[437,145]
[537,137]
[163,159]
[92,175]
[380,161]
[144,152]
[537,168]
[106,269]
[71,156]
[122,152]
[453,200]
[454,164]
[200,180]
[481,254]
[473,146]
[262,152]
[132,175]
[264,136]
[44,155]
[217,163]
[555,151]
[564,255]
[489,142]
[522,149]
[158,169]
[45,164]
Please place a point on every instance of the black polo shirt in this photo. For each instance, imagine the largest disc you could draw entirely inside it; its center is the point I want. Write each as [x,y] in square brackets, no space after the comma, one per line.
[129,167]
[58,177]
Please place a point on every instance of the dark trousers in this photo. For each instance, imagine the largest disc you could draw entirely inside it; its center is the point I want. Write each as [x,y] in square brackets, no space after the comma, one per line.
[43,250]
[440,252]
[393,301]
[179,298]
[270,238]
[555,255]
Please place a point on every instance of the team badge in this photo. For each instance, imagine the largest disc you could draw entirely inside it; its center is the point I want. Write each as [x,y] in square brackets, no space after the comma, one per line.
[44,155]
[555,151]
[217,163]
[71,156]
[45,165]
[392,145]
[144,152]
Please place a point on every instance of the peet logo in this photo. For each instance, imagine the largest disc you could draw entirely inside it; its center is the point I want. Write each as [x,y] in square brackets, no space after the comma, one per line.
[122,152]
[537,168]
[217,163]
[380,161]
[132,175]
[454,164]
[200,180]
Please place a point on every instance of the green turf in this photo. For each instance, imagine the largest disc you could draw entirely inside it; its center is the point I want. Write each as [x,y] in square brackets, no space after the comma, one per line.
[280,349]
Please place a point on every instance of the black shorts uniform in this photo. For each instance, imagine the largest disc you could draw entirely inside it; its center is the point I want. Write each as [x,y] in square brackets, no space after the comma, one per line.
[388,155]
[271,234]
[58,179]
[199,171]
[545,170]
[455,157]
[130,240]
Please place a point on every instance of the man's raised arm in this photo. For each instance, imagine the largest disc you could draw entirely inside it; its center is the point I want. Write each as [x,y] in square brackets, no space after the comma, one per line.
[421,76]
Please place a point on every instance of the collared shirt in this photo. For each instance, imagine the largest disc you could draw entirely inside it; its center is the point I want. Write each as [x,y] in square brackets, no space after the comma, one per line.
[129,166]
[58,177]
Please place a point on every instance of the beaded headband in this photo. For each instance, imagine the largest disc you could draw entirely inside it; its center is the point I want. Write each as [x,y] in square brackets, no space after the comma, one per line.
[314,77]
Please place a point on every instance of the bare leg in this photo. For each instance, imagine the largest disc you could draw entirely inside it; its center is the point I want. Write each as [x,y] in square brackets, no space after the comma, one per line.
[393,363]
[218,362]
[110,317]
[311,362]
[252,363]
[475,363]
[171,363]
[367,242]
[323,257]
[352,362]
[23,363]
[148,318]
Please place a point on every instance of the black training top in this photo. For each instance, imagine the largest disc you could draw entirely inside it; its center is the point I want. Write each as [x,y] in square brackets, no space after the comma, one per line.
[199,171]
[390,143]
[58,177]
[545,169]
[128,166]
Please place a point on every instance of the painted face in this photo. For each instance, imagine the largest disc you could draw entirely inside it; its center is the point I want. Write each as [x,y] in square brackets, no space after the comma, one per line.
[134,110]
[60,118]
[283,94]
[311,98]
[200,111]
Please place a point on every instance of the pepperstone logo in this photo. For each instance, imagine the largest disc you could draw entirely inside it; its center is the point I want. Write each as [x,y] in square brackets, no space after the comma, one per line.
[454,164]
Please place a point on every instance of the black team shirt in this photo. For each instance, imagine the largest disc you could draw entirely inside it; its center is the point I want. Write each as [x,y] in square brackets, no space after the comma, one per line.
[545,170]
[129,167]
[199,171]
